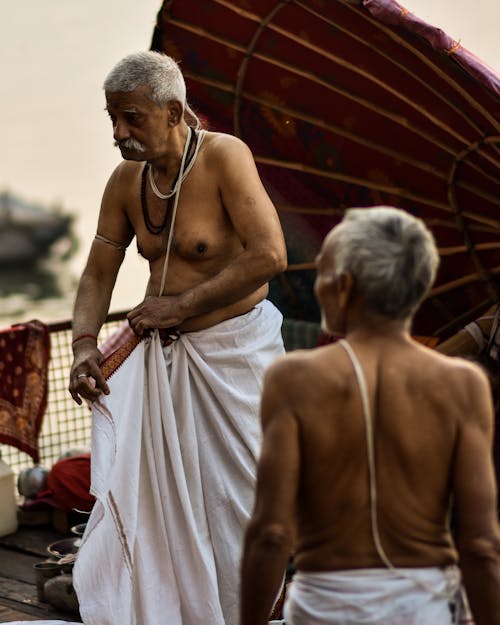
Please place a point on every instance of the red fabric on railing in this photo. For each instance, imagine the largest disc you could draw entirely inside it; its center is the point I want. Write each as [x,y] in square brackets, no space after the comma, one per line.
[24,359]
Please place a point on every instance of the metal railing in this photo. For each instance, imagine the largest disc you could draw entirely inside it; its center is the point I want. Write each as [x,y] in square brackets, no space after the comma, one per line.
[65,424]
[68,426]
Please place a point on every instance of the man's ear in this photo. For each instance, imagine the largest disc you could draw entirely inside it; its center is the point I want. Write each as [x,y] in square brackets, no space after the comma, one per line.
[175,112]
[345,290]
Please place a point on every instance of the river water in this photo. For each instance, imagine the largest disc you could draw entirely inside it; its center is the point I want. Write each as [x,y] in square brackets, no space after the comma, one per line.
[46,291]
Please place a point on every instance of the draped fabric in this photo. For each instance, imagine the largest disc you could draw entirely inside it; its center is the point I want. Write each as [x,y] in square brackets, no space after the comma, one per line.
[42,623]
[174,454]
[376,597]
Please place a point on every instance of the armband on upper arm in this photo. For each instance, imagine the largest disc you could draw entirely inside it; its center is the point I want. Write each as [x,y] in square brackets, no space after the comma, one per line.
[118,246]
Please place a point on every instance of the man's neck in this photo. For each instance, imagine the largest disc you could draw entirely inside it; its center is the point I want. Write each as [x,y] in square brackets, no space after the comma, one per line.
[361,325]
[166,166]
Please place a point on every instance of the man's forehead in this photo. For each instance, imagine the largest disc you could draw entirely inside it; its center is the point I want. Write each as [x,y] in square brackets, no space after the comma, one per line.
[129,99]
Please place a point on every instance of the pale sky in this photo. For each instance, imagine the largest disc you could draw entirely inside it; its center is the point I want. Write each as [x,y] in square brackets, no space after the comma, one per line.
[56,138]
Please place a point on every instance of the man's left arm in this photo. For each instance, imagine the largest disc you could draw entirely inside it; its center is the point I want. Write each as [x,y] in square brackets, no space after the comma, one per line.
[269,536]
[256,223]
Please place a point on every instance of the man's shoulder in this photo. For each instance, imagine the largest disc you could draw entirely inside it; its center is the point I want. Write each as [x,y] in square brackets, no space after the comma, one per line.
[216,137]
[461,374]
[454,364]
[128,168]
[124,175]
[305,365]
[223,144]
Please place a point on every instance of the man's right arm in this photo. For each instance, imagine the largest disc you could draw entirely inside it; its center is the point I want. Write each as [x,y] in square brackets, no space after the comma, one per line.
[95,289]
[475,491]
[269,534]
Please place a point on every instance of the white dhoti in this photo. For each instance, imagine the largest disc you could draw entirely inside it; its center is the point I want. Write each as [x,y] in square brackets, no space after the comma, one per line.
[424,596]
[174,450]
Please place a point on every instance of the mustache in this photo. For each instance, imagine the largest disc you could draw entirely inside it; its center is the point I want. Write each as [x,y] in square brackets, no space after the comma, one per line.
[130,144]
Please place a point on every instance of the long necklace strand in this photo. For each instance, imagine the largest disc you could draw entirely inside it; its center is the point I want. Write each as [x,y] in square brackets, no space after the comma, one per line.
[158,228]
[199,139]
[177,181]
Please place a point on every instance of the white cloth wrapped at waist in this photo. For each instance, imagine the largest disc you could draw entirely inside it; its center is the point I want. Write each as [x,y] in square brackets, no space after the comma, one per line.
[41,622]
[174,449]
[374,597]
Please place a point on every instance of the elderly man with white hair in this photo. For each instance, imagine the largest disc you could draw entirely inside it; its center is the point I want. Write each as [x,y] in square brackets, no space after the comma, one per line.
[368,442]
[175,409]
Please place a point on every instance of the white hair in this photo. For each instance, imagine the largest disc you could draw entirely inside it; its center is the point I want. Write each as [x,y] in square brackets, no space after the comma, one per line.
[156,70]
[391,255]
[159,72]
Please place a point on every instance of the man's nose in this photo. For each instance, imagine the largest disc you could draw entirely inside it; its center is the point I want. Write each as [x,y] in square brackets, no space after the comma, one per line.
[120,131]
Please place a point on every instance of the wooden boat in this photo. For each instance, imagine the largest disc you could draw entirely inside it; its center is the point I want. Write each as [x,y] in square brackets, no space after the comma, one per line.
[28,231]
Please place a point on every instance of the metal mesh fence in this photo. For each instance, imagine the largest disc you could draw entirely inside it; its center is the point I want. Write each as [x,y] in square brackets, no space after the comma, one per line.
[65,424]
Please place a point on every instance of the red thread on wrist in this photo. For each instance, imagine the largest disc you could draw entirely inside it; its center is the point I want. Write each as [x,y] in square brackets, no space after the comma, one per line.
[84,336]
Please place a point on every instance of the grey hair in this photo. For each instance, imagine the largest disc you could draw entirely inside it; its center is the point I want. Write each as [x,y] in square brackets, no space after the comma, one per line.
[156,70]
[391,255]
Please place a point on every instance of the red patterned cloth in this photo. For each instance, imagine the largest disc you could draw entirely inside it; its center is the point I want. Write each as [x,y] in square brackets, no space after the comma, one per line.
[24,359]
[118,348]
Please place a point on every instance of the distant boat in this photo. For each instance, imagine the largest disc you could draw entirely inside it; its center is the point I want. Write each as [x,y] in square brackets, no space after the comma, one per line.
[28,231]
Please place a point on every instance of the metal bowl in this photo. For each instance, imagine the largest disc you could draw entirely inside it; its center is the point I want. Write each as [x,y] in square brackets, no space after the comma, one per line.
[79,529]
[64,547]
[31,480]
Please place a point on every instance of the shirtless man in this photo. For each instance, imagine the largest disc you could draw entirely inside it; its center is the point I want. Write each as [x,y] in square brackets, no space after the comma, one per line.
[204,222]
[368,522]
[228,241]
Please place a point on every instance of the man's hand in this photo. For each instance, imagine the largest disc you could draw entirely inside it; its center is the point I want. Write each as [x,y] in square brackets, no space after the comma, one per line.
[156,312]
[86,379]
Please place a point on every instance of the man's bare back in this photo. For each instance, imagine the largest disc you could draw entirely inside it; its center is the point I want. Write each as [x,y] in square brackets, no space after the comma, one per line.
[343,512]
[416,427]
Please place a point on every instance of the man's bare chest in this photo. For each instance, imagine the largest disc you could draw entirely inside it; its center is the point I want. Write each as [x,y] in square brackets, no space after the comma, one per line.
[199,226]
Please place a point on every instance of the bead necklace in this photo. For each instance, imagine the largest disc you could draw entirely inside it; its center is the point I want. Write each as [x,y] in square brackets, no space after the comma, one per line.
[158,228]
[177,182]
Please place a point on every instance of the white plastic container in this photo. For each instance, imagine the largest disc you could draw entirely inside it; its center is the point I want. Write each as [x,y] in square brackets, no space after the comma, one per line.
[8,503]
